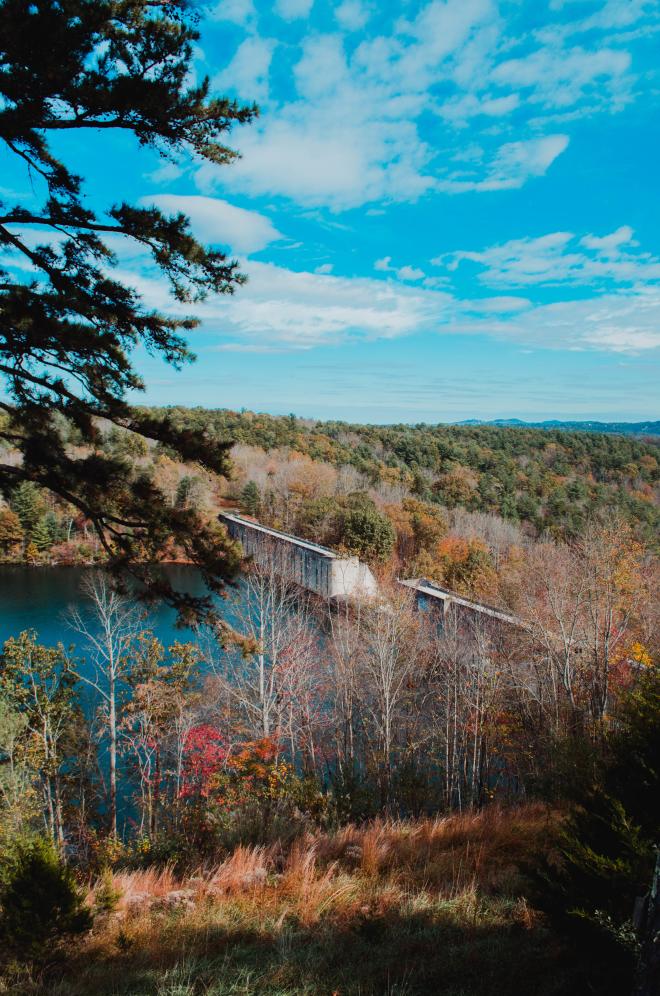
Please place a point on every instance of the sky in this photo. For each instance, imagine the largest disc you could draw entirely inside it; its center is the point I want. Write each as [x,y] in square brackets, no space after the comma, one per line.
[445,210]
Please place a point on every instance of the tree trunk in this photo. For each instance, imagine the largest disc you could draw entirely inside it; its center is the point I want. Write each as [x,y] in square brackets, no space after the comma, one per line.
[112,725]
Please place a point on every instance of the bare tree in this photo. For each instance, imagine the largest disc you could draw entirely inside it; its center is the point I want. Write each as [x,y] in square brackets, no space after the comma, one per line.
[464,692]
[388,659]
[109,627]
[583,601]
[272,684]
[345,644]
[162,706]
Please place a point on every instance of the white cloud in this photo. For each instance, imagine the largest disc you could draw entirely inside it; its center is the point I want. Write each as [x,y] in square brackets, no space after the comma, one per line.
[459,110]
[216,221]
[165,173]
[561,258]
[247,73]
[513,165]
[612,14]
[325,162]
[497,305]
[291,10]
[619,323]
[281,308]
[304,308]
[324,268]
[409,273]
[322,68]
[352,15]
[608,244]
[442,26]
[354,134]
[404,273]
[559,78]
[235,11]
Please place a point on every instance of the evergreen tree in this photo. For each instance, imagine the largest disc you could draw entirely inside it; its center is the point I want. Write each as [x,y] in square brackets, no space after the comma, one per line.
[41,535]
[54,527]
[608,845]
[86,67]
[41,904]
[27,503]
[188,492]
[369,534]
[251,499]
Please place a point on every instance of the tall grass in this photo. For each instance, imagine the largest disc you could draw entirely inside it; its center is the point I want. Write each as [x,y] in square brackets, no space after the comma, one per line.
[387,907]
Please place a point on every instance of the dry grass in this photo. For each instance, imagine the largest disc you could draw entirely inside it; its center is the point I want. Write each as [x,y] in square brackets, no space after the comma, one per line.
[444,857]
[388,907]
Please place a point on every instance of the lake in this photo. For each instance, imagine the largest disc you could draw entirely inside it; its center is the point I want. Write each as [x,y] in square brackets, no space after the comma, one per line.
[38,598]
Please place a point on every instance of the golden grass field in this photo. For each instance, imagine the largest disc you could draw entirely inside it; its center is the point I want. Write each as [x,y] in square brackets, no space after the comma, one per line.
[430,906]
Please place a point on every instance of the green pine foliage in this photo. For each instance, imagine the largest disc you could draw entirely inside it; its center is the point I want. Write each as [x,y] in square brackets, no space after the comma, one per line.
[106,894]
[606,849]
[41,904]
[81,69]
[251,499]
[28,504]
[41,535]
[368,534]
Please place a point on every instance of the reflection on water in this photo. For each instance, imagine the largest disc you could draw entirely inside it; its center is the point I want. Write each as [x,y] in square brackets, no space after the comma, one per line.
[38,598]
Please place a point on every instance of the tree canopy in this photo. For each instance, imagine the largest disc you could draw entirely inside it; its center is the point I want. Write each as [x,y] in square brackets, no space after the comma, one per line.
[68,326]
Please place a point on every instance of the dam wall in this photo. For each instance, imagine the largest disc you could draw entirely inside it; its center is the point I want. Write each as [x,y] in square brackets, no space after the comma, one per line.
[429,595]
[309,565]
[332,576]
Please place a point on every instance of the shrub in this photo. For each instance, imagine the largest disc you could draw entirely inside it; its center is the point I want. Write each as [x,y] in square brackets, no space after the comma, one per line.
[606,848]
[41,904]
[106,894]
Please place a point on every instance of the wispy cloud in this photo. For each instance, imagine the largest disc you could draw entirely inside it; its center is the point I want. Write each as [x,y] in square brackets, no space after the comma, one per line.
[355,130]
[561,258]
[281,309]
[291,10]
[514,164]
[217,222]
[236,11]
[405,272]
[248,71]
[352,14]
[558,78]
[619,323]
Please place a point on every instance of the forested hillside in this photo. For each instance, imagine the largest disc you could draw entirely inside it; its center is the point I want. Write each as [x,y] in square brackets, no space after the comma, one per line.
[646,428]
[549,480]
[465,506]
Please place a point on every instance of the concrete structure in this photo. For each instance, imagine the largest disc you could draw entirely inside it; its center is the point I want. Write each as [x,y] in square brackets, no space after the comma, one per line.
[313,567]
[429,594]
[319,569]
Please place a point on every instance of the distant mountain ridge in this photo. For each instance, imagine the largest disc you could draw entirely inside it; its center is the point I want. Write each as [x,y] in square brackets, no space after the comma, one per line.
[648,428]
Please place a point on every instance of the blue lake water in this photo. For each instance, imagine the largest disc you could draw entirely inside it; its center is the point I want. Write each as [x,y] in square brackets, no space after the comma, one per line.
[38,598]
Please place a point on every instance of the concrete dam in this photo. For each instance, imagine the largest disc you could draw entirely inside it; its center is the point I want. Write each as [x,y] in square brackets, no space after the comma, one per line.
[430,595]
[311,566]
[335,577]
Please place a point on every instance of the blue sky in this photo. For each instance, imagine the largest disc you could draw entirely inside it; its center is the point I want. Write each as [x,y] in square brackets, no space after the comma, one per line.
[447,209]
